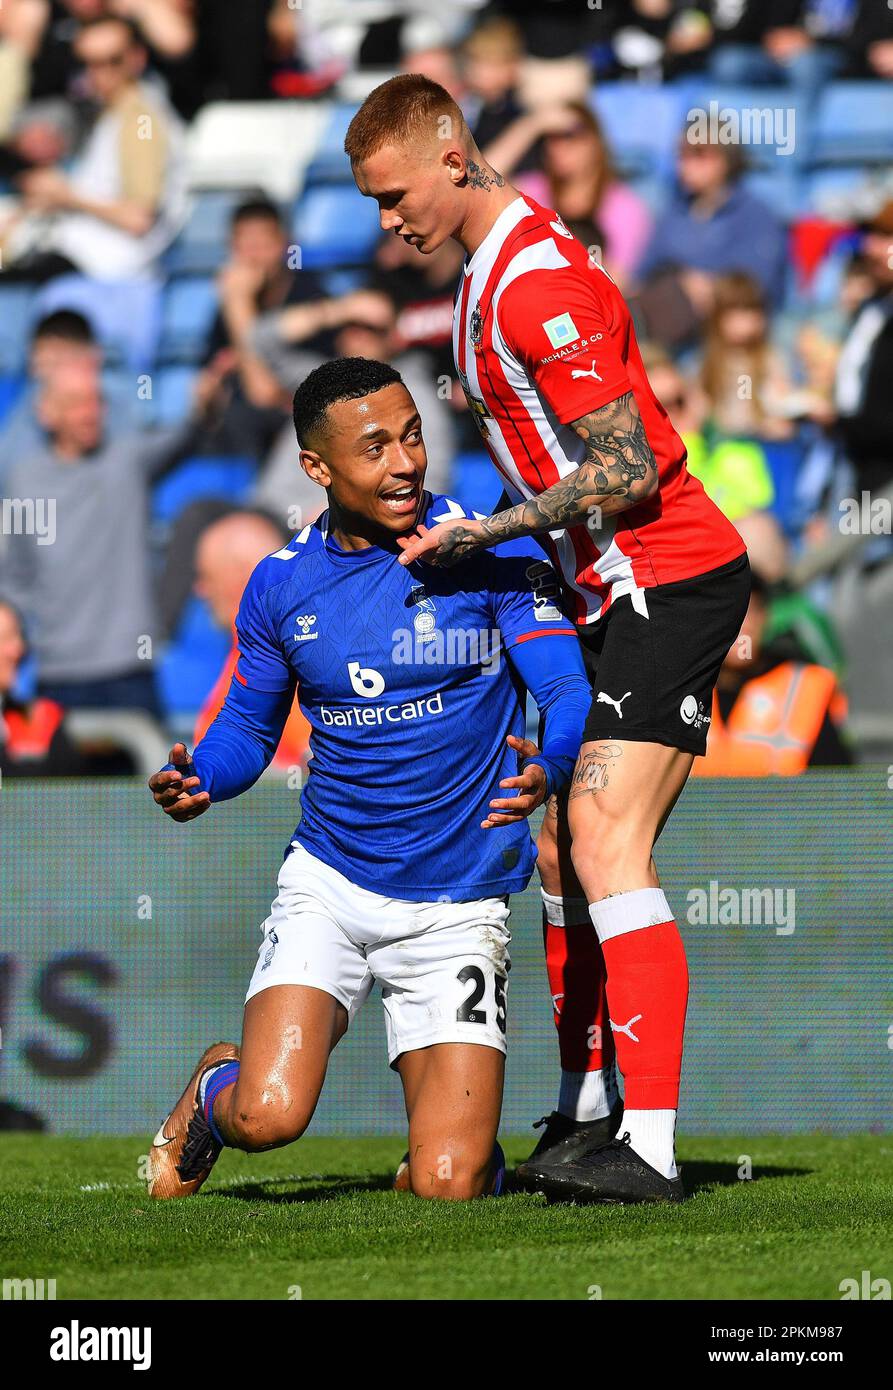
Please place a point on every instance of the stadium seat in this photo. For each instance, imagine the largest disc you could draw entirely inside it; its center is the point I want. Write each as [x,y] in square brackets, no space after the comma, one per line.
[642,124]
[201,246]
[12,384]
[784,458]
[339,282]
[125,314]
[188,310]
[192,662]
[782,190]
[475,482]
[171,399]
[335,226]
[16,318]
[854,124]
[761,103]
[843,193]
[239,144]
[330,164]
[199,477]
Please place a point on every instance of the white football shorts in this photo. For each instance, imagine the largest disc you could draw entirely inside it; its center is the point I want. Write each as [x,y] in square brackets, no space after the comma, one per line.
[442,966]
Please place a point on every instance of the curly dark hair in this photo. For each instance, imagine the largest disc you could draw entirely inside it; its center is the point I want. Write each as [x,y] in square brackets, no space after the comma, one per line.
[341,379]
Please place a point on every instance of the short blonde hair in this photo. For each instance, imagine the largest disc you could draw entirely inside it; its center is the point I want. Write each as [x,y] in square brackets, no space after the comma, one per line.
[405,110]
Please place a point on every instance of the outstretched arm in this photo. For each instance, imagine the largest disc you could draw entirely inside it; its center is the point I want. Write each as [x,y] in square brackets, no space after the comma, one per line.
[619,471]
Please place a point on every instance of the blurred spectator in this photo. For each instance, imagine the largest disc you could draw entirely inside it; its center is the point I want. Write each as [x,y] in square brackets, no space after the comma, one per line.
[79,572]
[365,325]
[774,711]
[745,378]
[56,339]
[226,555]
[48,30]
[43,134]
[734,472]
[578,180]
[711,226]
[559,41]
[33,738]
[249,402]
[801,42]
[124,200]
[491,66]
[766,544]
[863,396]
[871,41]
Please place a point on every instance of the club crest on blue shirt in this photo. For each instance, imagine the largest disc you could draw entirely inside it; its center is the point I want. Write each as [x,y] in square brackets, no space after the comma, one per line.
[424,621]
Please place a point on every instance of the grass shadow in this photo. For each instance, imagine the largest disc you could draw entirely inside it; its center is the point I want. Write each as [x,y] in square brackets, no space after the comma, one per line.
[701,1173]
[325,1186]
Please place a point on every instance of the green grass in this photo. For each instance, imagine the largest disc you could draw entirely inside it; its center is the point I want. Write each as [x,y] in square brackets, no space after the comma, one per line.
[320,1215]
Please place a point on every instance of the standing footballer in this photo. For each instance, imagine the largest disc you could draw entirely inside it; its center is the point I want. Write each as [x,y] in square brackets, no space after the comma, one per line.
[656,579]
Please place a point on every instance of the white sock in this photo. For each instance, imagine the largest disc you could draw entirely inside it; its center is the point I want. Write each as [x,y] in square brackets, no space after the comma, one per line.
[652,1136]
[565,912]
[588,1095]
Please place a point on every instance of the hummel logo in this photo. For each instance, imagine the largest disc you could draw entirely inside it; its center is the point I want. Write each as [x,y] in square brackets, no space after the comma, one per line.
[578,372]
[305,621]
[626,1028]
[603,699]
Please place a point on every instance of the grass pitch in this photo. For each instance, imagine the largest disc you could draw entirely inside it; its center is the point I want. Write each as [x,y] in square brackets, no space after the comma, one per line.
[318,1221]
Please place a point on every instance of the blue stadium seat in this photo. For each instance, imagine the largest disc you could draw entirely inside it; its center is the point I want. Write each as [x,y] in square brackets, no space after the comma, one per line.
[836,191]
[854,124]
[188,311]
[762,105]
[330,164]
[642,124]
[16,318]
[201,246]
[339,282]
[125,314]
[782,190]
[199,477]
[334,225]
[192,661]
[12,384]
[171,399]
[475,482]
[784,458]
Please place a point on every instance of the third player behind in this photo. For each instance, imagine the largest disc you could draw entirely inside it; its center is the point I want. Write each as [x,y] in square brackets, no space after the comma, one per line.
[654,576]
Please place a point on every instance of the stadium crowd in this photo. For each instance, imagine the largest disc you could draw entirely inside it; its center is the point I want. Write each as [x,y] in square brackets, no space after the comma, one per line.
[181,242]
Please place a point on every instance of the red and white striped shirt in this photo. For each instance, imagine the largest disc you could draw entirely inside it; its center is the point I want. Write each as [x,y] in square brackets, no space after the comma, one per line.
[542,336]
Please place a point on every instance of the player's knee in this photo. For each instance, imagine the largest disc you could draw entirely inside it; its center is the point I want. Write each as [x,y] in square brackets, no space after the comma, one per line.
[268,1124]
[452,1177]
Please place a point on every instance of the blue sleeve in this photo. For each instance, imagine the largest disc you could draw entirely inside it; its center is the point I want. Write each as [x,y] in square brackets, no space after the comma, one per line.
[242,740]
[544,650]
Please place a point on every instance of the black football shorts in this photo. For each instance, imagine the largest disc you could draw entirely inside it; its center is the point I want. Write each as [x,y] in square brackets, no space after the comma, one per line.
[653,677]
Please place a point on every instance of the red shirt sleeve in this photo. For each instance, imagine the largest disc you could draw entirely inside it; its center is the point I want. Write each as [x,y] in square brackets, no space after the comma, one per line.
[554,322]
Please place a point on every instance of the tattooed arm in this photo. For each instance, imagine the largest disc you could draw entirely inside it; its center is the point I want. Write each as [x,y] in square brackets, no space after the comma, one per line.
[619,471]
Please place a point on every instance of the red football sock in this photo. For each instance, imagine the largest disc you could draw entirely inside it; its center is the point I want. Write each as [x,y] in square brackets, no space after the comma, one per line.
[576,970]
[647,990]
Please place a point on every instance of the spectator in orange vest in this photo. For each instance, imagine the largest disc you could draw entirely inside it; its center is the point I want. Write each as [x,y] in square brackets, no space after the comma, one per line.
[226,556]
[774,712]
[33,739]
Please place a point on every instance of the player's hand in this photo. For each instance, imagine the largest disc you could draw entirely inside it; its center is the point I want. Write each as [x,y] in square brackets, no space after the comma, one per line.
[445,544]
[176,794]
[530,787]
